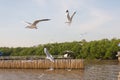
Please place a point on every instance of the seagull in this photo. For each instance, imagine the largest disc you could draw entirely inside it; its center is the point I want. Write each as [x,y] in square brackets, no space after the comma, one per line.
[48,55]
[69,17]
[33,25]
[118,54]
[82,34]
[65,55]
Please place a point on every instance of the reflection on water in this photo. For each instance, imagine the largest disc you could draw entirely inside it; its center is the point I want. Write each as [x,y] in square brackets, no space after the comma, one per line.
[101,70]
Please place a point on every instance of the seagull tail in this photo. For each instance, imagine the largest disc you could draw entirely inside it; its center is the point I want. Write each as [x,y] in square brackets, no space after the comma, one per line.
[69,23]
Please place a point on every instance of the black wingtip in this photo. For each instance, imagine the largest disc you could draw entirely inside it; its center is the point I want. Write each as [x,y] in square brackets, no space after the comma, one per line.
[75,12]
[66,10]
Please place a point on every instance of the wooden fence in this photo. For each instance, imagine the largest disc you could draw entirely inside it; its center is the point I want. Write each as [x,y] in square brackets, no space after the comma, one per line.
[42,64]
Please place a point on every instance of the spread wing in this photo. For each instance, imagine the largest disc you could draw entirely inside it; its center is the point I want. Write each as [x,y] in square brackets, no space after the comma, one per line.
[73,15]
[37,21]
[68,17]
[49,56]
[28,23]
[46,52]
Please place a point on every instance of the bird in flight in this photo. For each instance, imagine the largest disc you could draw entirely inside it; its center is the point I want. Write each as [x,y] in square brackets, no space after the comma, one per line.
[69,17]
[83,34]
[33,25]
[48,55]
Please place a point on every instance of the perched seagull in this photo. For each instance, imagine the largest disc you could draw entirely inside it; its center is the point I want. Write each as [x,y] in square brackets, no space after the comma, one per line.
[69,17]
[48,55]
[118,54]
[33,25]
[65,55]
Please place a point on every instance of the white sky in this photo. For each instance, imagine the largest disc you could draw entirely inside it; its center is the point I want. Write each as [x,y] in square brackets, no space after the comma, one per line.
[98,19]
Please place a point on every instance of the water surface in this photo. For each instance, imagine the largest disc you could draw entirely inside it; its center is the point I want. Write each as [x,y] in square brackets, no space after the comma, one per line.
[94,70]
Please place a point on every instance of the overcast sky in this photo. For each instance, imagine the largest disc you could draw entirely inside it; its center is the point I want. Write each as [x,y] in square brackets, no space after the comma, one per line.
[94,20]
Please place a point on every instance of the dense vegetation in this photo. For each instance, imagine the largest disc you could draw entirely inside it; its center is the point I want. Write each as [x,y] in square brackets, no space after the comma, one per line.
[100,49]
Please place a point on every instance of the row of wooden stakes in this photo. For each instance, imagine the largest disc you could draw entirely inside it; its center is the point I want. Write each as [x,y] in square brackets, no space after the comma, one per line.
[42,64]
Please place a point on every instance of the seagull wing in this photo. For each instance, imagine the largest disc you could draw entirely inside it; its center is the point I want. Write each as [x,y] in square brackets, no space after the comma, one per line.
[49,56]
[68,17]
[44,19]
[28,23]
[46,52]
[73,15]
[37,21]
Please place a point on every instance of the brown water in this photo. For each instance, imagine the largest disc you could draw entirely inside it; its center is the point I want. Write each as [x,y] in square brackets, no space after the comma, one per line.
[97,70]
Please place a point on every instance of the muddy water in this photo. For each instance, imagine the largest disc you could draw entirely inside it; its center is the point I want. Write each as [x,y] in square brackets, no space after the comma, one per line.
[97,70]
[102,70]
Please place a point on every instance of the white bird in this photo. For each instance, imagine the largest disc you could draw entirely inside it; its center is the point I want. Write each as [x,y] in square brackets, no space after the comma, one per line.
[69,17]
[118,54]
[65,55]
[33,25]
[48,55]
[81,35]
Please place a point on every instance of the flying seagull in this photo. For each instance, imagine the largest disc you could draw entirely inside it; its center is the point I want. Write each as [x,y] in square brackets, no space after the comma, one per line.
[48,55]
[69,17]
[81,35]
[33,25]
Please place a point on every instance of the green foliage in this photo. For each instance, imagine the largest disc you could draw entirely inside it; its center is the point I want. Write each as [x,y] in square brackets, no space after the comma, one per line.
[100,49]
